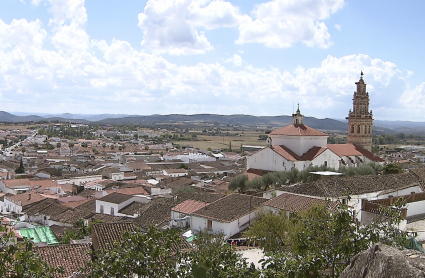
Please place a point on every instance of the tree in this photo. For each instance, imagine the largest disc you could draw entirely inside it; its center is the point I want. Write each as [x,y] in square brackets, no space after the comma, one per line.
[150,254]
[58,145]
[213,257]
[392,168]
[239,183]
[19,260]
[20,169]
[183,166]
[263,137]
[319,242]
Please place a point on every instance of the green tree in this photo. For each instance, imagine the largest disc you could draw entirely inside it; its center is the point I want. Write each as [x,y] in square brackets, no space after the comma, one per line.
[392,168]
[20,169]
[239,183]
[213,257]
[183,166]
[319,242]
[150,254]
[19,260]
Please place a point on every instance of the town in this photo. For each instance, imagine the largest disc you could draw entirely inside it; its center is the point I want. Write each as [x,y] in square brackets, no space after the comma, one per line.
[75,190]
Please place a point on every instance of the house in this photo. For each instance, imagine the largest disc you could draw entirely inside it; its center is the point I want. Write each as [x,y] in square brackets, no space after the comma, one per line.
[175,172]
[228,215]
[15,186]
[180,214]
[353,190]
[111,204]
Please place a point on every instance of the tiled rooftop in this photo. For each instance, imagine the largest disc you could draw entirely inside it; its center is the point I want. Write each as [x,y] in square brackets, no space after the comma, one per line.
[295,203]
[115,198]
[298,130]
[104,235]
[189,206]
[230,207]
[71,257]
[343,186]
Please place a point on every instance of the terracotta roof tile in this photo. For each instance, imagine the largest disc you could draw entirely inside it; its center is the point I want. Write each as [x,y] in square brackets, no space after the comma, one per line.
[72,257]
[313,153]
[295,203]
[343,186]
[189,206]
[230,207]
[352,150]
[286,153]
[104,235]
[115,198]
[298,130]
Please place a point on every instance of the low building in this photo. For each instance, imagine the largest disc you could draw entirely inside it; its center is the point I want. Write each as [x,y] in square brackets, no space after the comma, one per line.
[228,215]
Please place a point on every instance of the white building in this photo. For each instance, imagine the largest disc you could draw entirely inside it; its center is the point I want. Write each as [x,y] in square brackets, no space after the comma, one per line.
[300,146]
[228,215]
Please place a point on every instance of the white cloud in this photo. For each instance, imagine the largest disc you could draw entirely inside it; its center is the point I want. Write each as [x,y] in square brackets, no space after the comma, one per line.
[281,23]
[123,79]
[414,100]
[236,60]
[338,27]
[21,33]
[173,26]
[68,23]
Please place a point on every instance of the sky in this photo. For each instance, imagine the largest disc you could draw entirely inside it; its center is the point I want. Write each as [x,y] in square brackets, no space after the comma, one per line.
[203,56]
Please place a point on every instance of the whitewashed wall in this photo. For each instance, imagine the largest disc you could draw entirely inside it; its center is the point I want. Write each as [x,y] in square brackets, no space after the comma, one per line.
[299,144]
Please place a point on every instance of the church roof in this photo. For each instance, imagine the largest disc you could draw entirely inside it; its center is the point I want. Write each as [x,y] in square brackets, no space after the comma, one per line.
[352,150]
[297,130]
[286,153]
[313,153]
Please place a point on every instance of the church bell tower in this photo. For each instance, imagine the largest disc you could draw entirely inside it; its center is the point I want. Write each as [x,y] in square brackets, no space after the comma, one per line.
[360,120]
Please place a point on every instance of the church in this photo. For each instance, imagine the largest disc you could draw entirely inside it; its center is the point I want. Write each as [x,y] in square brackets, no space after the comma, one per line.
[300,146]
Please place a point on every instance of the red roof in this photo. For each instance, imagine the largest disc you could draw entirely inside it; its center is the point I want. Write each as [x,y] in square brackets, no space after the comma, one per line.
[313,153]
[352,150]
[189,206]
[286,153]
[298,130]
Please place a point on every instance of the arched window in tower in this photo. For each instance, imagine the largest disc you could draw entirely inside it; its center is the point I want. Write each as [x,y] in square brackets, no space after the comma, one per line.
[296,121]
[358,129]
[352,128]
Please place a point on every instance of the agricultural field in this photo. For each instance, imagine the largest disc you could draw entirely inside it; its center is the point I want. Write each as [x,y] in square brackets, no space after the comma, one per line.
[222,142]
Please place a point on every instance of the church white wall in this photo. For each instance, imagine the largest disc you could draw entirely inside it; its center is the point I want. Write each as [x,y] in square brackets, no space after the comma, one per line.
[269,160]
[299,144]
[332,160]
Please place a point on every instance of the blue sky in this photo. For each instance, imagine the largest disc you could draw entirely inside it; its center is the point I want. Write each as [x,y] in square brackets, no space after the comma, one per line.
[225,57]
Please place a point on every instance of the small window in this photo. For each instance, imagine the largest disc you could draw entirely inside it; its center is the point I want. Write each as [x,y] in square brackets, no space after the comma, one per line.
[358,129]
[326,164]
[209,225]
[352,129]
[112,212]
[101,208]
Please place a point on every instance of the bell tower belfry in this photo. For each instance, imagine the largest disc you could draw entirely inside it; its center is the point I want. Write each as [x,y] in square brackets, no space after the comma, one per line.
[360,120]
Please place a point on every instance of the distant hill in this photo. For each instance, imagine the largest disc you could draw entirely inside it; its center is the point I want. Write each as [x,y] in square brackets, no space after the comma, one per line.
[7,117]
[380,127]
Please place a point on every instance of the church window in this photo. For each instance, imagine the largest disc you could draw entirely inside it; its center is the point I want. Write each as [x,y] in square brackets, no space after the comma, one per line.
[326,164]
[352,128]
[358,129]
